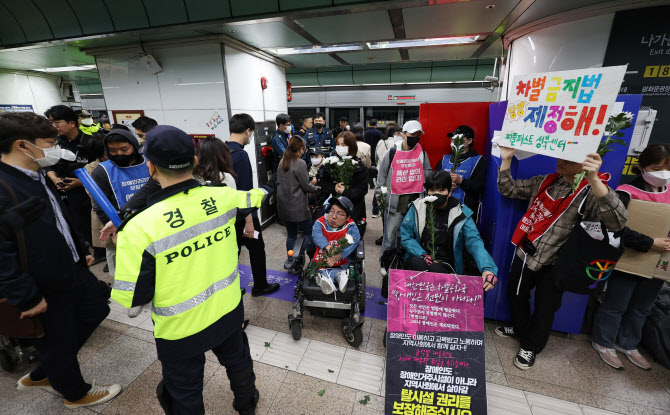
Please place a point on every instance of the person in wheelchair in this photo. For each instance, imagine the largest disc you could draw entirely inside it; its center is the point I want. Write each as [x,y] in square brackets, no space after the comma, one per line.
[336,224]
[454,231]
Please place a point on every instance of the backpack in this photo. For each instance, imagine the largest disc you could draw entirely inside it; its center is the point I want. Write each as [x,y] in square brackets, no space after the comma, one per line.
[656,330]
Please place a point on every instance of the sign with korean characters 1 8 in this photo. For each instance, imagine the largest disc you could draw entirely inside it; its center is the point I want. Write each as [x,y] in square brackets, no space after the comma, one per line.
[560,114]
[435,344]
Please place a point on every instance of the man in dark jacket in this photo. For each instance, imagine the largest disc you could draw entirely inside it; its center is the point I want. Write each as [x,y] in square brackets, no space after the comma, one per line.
[319,135]
[372,137]
[53,281]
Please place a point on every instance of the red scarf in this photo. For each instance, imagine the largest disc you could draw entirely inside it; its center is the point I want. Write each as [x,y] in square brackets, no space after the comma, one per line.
[332,237]
[544,211]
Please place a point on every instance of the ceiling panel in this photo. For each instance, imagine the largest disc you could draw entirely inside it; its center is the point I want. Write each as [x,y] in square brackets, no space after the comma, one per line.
[164,12]
[93,16]
[61,17]
[455,18]
[543,8]
[250,7]
[349,27]
[30,18]
[10,31]
[441,53]
[265,35]
[302,4]
[310,60]
[493,51]
[380,56]
[127,14]
[207,9]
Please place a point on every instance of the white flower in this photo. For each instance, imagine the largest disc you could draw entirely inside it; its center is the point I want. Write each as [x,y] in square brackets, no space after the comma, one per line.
[454,148]
[430,199]
[628,114]
[340,163]
[456,137]
[332,160]
[354,162]
[349,238]
[384,189]
[346,157]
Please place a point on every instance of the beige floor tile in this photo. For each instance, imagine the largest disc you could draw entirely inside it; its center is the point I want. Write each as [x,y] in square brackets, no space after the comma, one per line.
[497,378]
[277,310]
[139,398]
[554,391]
[628,408]
[254,306]
[373,405]
[12,401]
[491,353]
[296,400]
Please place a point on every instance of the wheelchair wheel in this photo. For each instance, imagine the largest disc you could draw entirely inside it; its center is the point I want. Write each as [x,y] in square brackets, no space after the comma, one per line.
[6,362]
[355,338]
[296,330]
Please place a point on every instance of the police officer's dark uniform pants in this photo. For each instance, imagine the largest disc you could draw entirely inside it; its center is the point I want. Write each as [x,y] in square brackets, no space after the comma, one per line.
[183,379]
[71,317]
[79,204]
[533,330]
[256,249]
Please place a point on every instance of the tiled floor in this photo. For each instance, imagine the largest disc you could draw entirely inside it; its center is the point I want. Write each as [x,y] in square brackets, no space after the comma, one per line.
[568,378]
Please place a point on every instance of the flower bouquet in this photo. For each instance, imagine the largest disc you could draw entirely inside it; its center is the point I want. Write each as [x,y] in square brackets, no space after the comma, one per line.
[337,248]
[382,199]
[341,169]
[615,124]
[458,148]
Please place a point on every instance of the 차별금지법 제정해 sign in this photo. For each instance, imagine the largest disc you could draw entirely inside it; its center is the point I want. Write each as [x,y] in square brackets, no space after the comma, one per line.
[435,345]
[560,114]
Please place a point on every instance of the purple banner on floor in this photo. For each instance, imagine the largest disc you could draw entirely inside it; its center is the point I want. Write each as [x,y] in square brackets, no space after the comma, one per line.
[375,303]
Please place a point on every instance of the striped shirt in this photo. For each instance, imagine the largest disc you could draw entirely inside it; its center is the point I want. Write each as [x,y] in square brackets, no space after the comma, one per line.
[608,209]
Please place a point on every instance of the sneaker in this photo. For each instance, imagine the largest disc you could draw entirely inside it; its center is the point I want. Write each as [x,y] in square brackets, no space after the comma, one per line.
[379,241]
[342,280]
[525,359]
[505,331]
[26,383]
[383,271]
[96,396]
[375,214]
[327,286]
[608,355]
[134,311]
[635,358]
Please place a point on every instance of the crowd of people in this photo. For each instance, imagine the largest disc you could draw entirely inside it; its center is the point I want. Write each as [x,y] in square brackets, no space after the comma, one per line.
[186,210]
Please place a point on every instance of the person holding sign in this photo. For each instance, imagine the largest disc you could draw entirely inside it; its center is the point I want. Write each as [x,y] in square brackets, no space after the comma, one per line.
[543,230]
[437,229]
[403,170]
[618,322]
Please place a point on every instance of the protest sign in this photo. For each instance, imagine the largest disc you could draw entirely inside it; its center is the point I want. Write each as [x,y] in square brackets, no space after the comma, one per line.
[407,171]
[435,345]
[560,114]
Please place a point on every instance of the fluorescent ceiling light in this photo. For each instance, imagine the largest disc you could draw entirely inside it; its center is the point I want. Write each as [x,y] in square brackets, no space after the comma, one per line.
[438,41]
[67,68]
[316,49]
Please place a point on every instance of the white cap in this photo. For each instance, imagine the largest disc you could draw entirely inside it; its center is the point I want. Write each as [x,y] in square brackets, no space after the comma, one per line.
[412,127]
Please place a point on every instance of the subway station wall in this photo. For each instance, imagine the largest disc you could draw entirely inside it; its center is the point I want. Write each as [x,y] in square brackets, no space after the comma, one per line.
[41,92]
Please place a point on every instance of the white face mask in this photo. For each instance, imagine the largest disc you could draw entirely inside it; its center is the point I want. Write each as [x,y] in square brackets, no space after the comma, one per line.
[87,121]
[397,139]
[251,138]
[657,178]
[51,155]
[287,130]
[316,161]
[342,150]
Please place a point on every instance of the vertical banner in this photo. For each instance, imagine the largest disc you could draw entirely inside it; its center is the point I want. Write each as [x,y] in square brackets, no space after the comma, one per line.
[435,345]
[561,114]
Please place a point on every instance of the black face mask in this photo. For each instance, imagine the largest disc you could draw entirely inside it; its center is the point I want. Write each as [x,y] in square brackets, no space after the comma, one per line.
[122,160]
[441,200]
[318,125]
[413,141]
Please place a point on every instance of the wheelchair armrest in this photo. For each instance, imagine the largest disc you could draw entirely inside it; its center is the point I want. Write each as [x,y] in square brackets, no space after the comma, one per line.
[297,246]
[360,250]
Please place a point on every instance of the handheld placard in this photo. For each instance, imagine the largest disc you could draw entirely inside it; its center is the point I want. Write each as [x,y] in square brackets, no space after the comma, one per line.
[98,196]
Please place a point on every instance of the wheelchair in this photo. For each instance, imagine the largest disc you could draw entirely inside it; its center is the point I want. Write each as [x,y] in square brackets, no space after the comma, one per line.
[13,351]
[347,305]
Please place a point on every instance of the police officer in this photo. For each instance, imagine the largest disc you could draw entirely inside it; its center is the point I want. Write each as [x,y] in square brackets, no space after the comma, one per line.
[86,124]
[319,135]
[469,178]
[181,253]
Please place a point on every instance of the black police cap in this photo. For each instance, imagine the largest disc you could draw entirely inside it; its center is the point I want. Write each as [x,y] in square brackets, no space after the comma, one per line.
[465,130]
[169,147]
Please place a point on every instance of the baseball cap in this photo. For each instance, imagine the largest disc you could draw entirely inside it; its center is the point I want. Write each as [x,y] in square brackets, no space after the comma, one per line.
[412,127]
[315,151]
[344,203]
[465,130]
[169,147]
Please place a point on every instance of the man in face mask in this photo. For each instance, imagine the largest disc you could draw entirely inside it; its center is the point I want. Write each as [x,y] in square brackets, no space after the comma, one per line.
[280,138]
[319,135]
[86,123]
[119,178]
[55,284]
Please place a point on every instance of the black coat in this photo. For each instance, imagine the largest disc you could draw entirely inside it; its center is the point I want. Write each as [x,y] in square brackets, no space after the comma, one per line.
[356,192]
[51,266]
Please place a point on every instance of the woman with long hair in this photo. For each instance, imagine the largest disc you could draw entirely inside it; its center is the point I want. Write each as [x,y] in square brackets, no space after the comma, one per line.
[215,164]
[364,150]
[617,324]
[292,192]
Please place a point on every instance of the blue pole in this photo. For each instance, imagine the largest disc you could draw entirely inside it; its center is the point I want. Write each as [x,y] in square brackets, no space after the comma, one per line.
[98,196]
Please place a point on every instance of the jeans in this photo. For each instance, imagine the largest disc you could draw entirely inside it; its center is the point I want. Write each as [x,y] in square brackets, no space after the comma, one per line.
[292,234]
[392,222]
[627,303]
[533,330]
[375,206]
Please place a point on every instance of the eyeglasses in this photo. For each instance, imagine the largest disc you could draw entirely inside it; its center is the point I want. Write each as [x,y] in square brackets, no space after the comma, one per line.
[338,214]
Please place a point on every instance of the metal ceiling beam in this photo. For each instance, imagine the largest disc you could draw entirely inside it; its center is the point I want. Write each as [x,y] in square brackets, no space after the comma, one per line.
[509,20]
[398,24]
[314,41]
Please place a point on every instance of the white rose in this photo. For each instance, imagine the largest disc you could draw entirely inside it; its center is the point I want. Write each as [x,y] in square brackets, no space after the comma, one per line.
[384,189]
[346,157]
[340,163]
[349,238]
[354,162]
[430,199]
[628,114]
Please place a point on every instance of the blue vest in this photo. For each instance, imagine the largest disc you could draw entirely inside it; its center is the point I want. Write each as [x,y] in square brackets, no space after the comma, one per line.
[464,170]
[125,181]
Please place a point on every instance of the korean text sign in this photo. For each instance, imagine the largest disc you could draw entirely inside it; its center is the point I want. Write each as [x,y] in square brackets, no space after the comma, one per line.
[560,114]
[435,345]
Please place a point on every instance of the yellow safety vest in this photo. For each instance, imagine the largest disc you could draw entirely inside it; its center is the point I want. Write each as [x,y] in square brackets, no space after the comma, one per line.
[188,242]
[90,130]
